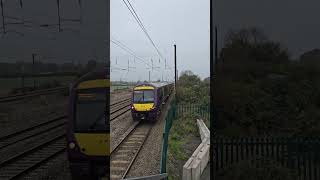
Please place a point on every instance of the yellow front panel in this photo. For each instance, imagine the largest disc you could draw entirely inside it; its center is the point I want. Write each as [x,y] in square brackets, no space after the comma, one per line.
[143,107]
[95,144]
[144,88]
[97,83]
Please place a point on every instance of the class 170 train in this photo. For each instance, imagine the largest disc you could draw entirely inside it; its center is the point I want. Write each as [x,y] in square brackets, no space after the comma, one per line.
[148,98]
[88,126]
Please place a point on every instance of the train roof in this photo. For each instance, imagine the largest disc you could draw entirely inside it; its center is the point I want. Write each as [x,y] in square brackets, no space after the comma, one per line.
[99,73]
[154,84]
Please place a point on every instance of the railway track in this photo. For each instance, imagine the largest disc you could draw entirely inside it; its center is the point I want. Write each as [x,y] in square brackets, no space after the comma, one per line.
[30,157]
[44,126]
[121,101]
[21,96]
[11,138]
[125,153]
[119,112]
[32,131]
[120,108]
[27,149]
[17,97]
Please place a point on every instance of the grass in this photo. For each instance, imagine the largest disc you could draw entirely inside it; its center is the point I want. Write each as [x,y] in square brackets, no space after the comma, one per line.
[175,147]
[8,84]
[119,88]
[183,140]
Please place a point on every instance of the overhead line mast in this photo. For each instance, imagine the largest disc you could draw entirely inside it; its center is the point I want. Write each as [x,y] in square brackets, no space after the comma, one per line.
[130,52]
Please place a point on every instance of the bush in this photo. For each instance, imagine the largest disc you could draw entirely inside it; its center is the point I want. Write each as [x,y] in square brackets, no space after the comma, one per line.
[258,88]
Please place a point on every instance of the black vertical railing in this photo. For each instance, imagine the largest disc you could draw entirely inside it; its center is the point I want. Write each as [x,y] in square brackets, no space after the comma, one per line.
[298,154]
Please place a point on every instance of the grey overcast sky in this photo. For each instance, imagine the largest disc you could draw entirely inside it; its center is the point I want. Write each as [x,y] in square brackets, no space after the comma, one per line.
[78,42]
[294,23]
[181,22]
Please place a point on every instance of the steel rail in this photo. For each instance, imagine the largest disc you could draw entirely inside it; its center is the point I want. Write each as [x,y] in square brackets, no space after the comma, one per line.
[32,128]
[28,95]
[132,158]
[29,150]
[136,154]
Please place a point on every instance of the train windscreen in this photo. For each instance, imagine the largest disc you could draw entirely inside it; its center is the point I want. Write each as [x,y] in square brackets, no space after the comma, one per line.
[145,96]
[91,109]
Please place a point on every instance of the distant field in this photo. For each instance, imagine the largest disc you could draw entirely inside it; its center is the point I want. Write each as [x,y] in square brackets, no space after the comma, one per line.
[117,88]
[7,84]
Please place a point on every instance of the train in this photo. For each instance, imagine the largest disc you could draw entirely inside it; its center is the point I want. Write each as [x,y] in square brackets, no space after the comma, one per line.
[88,126]
[148,98]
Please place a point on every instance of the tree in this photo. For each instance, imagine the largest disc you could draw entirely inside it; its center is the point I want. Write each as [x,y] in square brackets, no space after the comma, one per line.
[311,59]
[248,55]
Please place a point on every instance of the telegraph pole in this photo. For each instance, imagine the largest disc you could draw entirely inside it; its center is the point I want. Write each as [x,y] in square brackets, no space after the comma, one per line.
[2,14]
[80,7]
[149,76]
[59,19]
[175,67]
[216,49]
[212,114]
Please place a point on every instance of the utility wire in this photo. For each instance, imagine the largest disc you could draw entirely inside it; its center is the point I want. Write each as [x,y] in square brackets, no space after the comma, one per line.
[125,46]
[30,24]
[136,17]
[129,51]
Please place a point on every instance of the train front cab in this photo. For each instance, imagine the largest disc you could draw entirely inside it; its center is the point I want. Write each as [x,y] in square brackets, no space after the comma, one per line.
[88,133]
[144,104]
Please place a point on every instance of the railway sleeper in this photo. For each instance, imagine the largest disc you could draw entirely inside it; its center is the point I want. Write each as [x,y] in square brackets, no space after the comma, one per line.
[118,169]
[120,162]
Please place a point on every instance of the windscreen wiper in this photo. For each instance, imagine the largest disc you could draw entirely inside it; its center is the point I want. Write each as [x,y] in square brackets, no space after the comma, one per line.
[97,120]
[140,100]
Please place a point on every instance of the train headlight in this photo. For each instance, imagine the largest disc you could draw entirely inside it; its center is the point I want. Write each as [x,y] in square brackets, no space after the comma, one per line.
[132,107]
[72,145]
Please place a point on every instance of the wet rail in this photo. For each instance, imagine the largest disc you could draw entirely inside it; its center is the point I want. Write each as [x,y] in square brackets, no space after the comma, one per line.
[125,153]
[17,97]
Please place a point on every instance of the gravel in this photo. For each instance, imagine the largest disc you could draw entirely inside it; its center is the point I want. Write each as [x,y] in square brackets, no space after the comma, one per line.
[23,145]
[118,96]
[148,160]
[55,169]
[119,126]
[18,115]
[32,112]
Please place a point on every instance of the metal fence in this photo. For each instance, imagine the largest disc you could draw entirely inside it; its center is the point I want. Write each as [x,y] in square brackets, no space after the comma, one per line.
[174,111]
[202,111]
[299,154]
[171,115]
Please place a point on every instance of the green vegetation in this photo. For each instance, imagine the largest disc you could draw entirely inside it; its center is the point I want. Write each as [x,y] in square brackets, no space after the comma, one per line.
[117,88]
[184,135]
[27,67]
[260,90]
[14,85]
[191,90]
[184,138]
